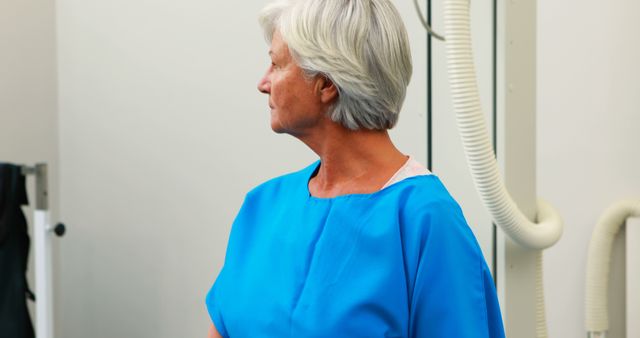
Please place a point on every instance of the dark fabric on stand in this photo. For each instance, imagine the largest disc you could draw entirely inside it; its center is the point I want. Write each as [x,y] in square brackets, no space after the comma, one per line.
[14,251]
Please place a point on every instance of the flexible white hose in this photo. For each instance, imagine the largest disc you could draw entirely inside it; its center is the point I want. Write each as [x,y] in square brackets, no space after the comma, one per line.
[477,145]
[480,156]
[541,318]
[596,316]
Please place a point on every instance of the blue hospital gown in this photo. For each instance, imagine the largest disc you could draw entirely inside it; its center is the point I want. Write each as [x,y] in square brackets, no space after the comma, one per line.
[400,262]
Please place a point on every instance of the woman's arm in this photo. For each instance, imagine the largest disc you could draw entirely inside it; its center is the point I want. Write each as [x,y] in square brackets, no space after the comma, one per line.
[213,333]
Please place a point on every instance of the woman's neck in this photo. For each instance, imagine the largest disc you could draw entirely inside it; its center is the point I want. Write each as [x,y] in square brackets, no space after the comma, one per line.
[352,162]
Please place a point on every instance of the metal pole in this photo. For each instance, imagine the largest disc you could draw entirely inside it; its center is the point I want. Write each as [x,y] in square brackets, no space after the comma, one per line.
[42,252]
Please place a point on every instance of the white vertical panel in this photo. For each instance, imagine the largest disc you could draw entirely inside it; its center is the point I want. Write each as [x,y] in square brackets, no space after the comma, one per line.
[633,277]
[516,130]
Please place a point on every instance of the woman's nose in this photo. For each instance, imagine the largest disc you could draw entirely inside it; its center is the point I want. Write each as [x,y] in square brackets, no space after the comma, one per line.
[264,86]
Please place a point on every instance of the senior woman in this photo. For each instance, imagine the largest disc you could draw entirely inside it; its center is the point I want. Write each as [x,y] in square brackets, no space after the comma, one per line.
[365,242]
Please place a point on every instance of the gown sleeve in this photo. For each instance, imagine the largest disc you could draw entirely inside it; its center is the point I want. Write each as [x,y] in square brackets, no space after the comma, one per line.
[214,312]
[220,292]
[453,294]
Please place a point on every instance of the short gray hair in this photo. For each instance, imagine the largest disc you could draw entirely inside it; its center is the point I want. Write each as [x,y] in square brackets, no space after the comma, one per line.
[360,45]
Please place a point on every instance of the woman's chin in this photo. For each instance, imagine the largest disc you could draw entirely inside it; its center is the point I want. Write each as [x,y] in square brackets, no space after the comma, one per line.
[277,127]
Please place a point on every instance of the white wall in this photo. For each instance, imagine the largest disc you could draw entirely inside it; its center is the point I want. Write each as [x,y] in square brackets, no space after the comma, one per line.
[162,132]
[28,116]
[588,138]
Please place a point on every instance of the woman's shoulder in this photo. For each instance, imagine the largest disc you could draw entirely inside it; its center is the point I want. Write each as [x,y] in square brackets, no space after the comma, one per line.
[427,211]
[424,202]
[420,192]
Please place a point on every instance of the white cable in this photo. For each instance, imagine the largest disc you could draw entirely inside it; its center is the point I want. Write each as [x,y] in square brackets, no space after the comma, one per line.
[599,257]
[425,24]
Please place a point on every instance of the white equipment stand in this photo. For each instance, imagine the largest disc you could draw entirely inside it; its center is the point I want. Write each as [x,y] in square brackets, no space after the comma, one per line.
[43,233]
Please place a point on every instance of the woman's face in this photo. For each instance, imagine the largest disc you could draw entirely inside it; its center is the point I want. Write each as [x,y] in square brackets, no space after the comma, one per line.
[295,100]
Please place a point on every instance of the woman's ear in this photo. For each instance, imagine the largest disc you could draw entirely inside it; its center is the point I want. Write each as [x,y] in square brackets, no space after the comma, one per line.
[326,89]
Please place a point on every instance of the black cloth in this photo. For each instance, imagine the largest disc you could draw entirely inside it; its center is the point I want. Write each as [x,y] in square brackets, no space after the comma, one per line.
[14,251]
